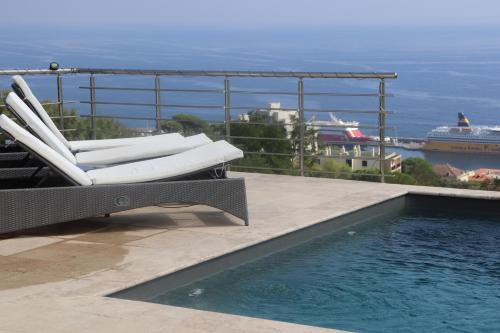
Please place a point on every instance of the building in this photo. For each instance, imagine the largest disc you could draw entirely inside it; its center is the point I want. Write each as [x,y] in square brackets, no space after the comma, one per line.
[449,172]
[274,113]
[483,174]
[358,159]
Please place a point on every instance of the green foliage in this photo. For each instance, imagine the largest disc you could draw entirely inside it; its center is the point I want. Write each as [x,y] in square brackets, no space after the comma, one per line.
[106,128]
[80,128]
[186,124]
[401,178]
[309,142]
[277,143]
[369,175]
[421,171]
[337,170]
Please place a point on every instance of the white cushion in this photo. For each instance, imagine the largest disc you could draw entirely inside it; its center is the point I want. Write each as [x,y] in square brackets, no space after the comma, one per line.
[168,146]
[39,109]
[37,126]
[197,159]
[88,145]
[83,145]
[44,151]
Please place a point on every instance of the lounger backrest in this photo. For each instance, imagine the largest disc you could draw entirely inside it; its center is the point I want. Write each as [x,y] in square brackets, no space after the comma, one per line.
[22,111]
[44,152]
[23,88]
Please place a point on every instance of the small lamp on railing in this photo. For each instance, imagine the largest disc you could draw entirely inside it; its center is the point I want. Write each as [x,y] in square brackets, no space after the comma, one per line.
[53,66]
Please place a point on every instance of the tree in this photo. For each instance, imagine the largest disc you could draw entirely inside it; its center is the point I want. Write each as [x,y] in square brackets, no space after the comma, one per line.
[262,137]
[186,124]
[421,170]
[370,175]
[310,142]
[336,169]
[79,128]
[400,178]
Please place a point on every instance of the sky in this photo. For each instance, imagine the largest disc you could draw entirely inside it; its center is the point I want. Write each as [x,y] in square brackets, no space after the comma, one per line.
[250,14]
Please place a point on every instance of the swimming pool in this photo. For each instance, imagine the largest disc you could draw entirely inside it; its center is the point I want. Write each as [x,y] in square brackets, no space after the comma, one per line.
[414,272]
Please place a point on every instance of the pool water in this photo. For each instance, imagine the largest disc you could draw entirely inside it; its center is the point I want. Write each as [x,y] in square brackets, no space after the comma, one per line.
[409,274]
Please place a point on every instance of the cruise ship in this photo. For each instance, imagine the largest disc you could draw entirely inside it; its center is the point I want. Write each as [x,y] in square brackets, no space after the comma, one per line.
[464,138]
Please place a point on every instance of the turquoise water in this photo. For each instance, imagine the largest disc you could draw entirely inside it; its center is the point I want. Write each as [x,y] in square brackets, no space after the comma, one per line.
[410,274]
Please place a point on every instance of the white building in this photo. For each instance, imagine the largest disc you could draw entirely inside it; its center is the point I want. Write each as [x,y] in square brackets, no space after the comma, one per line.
[275,113]
[357,159]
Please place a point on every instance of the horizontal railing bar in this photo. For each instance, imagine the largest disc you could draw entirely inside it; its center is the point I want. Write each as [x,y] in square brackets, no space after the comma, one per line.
[277,74]
[307,124]
[261,168]
[308,110]
[347,126]
[260,138]
[260,92]
[122,117]
[61,102]
[136,118]
[331,172]
[354,174]
[54,117]
[194,90]
[261,108]
[255,92]
[259,123]
[63,117]
[37,71]
[241,92]
[364,143]
[347,94]
[153,89]
[117,88]
[368,158]
[269,153]
[153,104]
[53,103]
[346,111]
[323,75]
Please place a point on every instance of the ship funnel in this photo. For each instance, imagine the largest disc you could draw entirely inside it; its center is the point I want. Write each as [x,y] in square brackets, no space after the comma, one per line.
[462,120]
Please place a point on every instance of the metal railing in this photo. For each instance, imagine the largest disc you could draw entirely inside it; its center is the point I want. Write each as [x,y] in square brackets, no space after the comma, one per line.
[225,91]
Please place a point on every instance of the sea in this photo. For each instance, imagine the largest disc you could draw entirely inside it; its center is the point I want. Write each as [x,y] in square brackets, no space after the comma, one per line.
[441,71]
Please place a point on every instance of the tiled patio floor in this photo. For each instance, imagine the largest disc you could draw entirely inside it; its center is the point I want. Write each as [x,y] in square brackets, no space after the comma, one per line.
[53,279]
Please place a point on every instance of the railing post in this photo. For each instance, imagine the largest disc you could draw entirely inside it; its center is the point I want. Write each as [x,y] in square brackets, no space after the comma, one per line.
[60,101]
[300,93]
[227,109]
[92,107]
[381,127]
[158,103]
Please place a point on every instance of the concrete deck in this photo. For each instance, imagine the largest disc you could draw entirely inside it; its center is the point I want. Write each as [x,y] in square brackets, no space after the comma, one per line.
[53,279]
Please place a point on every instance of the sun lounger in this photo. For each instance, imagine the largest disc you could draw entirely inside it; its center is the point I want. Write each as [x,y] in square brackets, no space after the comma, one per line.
[22,89]
[118,188]
[161,145]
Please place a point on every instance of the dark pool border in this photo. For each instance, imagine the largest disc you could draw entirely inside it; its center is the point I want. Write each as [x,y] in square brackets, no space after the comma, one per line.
[148,290]
[390,208]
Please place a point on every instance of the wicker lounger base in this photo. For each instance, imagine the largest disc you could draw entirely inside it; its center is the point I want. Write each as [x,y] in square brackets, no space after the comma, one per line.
[34,207]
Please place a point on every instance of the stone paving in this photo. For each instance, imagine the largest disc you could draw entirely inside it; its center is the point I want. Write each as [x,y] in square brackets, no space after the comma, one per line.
[53,279]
